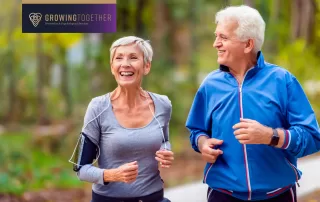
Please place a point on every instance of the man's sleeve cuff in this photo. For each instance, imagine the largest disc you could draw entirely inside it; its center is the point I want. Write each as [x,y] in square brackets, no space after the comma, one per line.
[289,140]
[198,136]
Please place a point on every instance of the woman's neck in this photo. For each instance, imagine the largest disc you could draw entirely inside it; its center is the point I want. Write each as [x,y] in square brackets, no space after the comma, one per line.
[129,98]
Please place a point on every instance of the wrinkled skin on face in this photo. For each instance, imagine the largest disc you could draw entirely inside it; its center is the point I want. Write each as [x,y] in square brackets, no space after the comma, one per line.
[230,49]
[128,66]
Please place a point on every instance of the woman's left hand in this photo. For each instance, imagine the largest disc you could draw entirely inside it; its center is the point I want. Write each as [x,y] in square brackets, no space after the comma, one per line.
[165,158]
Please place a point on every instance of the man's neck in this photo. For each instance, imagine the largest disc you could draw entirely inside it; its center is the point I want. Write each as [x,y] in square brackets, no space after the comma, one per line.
[240,69]
[239,73]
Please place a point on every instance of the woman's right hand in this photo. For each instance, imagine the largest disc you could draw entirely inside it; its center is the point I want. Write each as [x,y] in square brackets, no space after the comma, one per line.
[126,173]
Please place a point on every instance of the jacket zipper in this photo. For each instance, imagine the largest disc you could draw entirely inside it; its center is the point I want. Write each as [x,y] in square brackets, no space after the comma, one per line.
[244,146]
[295,170]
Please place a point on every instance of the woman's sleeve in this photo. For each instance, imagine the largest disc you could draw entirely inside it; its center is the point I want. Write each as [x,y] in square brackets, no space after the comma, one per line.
[88,147]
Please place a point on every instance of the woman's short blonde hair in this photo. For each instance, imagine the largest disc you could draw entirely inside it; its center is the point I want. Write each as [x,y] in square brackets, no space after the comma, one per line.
[144,46]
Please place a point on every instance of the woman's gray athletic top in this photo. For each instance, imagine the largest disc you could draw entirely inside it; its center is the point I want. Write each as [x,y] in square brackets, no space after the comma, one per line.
[119,145]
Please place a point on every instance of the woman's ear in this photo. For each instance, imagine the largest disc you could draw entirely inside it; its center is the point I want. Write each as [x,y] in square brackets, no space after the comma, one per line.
[111,68]
[147,68]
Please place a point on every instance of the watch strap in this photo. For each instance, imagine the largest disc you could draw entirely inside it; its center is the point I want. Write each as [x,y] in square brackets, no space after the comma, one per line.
[275,138]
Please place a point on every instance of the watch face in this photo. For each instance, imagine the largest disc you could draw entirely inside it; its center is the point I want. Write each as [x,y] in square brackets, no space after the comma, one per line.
[274,140]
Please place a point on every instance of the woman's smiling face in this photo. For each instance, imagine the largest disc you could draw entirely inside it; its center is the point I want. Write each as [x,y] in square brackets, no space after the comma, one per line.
[128,66]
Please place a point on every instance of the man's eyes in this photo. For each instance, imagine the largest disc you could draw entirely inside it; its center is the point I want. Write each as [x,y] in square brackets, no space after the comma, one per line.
[222,37]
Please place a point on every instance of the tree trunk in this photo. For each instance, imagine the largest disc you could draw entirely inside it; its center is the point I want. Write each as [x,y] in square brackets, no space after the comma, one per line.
[249,3]
[308,15]
[303,20]
[295,19]
[2,87]
[181,43]
[275,12]
[64,82]
[105,80]
[161,27]
[139,29]
[11,113]
[194,19]
[87,48]
[42,110]
[124,13]
[271,43]
[226,3]
[10,67]
[179,39]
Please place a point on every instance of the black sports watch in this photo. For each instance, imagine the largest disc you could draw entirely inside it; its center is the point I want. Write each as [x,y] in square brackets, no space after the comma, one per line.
[275,138]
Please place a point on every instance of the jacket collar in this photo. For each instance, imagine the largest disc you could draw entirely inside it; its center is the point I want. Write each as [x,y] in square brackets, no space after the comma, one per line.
[260,63]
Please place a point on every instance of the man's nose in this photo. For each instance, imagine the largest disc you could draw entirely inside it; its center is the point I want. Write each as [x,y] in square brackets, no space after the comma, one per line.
[217,43]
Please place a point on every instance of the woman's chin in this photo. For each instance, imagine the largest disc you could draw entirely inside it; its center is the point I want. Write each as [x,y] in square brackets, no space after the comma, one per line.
[127,83]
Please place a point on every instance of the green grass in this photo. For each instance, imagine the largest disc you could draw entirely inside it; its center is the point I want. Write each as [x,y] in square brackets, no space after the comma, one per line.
[25,167]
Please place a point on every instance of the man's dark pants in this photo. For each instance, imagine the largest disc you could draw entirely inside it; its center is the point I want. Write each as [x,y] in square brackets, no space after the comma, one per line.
[216,196]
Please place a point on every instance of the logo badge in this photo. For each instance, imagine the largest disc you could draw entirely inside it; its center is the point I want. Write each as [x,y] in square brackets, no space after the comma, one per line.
[35,18]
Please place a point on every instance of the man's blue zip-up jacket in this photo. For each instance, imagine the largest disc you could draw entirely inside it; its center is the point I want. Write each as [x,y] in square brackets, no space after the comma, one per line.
[270,95]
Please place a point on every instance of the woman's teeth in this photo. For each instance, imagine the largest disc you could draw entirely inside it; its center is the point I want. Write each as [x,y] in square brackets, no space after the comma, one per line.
[126,73]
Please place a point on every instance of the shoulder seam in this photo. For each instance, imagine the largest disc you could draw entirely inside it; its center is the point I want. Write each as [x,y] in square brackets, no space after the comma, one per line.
[96,107]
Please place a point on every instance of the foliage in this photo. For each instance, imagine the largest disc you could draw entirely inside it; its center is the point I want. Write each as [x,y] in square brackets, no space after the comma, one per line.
[299,60]
[302,62]
[88,74]
[25,167]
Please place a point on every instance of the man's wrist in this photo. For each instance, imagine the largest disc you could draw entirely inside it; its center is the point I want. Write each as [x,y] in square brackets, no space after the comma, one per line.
[201,140]
[269,134]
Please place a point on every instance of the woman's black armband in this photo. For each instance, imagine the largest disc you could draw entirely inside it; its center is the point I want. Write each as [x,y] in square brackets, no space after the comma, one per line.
[86,152]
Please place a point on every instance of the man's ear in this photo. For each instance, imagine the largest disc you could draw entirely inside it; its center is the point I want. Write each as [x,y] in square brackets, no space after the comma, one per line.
[249,46]
[147,68]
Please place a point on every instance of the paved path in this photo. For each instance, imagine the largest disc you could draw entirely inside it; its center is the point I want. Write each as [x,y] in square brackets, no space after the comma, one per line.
[196,192]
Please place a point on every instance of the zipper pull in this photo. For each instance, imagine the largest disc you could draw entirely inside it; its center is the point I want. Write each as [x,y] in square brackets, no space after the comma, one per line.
[240,89]
[298,184]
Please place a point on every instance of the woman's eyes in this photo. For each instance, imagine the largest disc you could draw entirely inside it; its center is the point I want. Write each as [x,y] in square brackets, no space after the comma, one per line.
[133,57]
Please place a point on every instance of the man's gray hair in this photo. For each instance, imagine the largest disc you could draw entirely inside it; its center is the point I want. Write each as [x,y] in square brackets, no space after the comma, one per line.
[250,23]
[144,46]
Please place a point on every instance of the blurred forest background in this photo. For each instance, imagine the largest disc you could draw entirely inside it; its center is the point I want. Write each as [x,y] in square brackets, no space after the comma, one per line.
[47,80]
